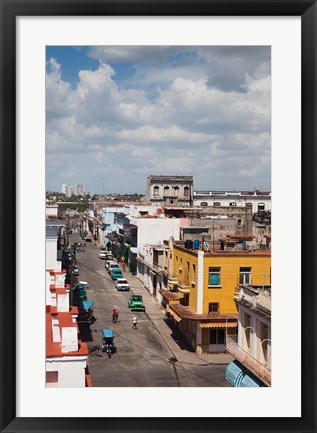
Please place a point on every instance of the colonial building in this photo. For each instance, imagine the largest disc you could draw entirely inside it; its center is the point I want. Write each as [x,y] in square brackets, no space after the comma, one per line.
[252,345]
[169,190]
[255,200]
[207,280]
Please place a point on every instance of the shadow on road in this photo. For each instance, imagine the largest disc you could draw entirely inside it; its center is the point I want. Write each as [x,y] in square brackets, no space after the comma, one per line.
[85,332]
[177,336]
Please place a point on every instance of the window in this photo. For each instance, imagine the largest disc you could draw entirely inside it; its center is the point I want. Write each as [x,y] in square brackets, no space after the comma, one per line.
[261,207]
[249,205]
[245,276]
[203,204]
[213,307]
[217,336]
[166,190]
[176,190]
[232,203]
[214,277]
[217,204]
[156,191]
[186,191]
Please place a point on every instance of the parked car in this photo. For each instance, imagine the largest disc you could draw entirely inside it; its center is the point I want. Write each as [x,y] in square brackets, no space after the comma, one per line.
[116,273]
[112,266]
[102,254]
[122,281]
[122,284]
[136,302]
[107,263]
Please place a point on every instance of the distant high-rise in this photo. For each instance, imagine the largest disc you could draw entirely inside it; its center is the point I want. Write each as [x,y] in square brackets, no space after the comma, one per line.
[69,191]
[63,188]
[80,189]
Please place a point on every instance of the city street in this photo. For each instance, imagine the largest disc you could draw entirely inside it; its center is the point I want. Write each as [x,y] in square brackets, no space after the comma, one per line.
[155,354]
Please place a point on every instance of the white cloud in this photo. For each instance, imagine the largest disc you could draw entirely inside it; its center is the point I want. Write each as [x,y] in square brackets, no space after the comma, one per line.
[109,128]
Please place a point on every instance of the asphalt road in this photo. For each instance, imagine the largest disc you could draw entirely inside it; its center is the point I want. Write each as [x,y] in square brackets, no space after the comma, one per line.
[144,357]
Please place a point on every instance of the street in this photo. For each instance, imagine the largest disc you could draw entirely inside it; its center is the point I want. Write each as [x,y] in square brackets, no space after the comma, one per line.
[155,354]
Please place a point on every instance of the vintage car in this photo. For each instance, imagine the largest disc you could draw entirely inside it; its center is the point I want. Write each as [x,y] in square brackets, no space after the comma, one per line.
[136,302]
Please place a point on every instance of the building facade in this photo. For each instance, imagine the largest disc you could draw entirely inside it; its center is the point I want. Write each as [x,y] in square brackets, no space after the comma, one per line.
[80,190]
[208,280]
[252,345]
[169,190]
[255,200]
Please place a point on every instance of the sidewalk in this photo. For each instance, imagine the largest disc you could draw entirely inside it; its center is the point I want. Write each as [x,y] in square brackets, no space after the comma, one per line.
[179,347]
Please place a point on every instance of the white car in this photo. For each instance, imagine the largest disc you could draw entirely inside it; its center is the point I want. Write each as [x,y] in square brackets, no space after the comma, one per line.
[108,263]
[102,254]
[122,284]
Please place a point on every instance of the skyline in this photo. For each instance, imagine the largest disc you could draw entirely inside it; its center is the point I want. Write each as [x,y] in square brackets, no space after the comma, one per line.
[117,114]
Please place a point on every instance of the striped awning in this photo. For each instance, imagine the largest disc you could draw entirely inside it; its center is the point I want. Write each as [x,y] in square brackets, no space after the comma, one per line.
[218,325]
[172,313]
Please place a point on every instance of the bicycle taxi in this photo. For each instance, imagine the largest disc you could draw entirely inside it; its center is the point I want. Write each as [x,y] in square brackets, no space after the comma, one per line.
[107,341]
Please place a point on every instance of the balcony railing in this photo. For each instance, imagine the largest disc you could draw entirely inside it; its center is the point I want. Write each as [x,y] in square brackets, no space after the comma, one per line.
[262,371]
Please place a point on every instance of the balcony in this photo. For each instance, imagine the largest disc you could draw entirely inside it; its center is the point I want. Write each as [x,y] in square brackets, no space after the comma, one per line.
[262,371]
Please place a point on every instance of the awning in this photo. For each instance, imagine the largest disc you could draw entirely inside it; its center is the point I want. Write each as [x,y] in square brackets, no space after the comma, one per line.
[218,324]
[172,313]
[240,377]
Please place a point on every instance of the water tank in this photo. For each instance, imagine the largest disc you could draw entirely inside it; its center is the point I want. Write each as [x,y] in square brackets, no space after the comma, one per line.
[188,244]
[196,244]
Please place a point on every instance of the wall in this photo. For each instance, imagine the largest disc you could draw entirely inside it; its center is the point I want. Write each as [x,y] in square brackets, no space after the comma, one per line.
[70,371]
[230,271]
[51,255]
[155,230]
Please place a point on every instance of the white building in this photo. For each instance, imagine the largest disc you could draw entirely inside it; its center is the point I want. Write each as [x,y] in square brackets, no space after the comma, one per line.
[252,346]
[69,191]
[80,190]
[63,188]
[256,200]
[66,355]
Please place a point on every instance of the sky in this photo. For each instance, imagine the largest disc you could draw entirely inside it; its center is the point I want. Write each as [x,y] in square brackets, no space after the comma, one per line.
[117,114]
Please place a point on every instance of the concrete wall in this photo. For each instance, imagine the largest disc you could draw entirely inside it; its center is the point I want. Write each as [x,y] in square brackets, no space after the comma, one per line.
[51,255]
[69,372]
[155,230]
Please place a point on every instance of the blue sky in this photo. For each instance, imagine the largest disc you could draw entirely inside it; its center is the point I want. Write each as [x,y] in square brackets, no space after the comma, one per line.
[116,114]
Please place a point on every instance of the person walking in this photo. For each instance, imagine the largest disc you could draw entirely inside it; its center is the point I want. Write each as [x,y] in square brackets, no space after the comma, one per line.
[135,322]
[115,316]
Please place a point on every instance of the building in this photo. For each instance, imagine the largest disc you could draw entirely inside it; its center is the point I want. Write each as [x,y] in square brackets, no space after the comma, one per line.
[69,191]
[63,188]
[207,279]
[80,190]
[169,190]
[252,345]
[66,355]
[255,200]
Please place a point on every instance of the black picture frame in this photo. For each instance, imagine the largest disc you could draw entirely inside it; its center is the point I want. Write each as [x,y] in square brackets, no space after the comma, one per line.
[10,9]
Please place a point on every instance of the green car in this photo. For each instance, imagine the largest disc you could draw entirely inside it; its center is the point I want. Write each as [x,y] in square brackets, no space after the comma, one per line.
[136,302]
[116,273]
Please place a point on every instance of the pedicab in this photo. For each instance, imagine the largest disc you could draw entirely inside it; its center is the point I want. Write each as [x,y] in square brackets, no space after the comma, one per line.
[107,341]
[86,312]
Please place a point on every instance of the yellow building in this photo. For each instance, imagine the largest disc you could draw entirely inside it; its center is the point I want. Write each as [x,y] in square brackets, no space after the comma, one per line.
[207,281]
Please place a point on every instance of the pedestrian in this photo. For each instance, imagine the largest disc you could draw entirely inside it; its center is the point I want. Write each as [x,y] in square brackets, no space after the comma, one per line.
[135,322]
[117,316]
[114,316]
